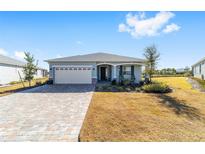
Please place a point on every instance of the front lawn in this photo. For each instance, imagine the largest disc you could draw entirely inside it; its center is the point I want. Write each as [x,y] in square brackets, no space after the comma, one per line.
[123,116]
[179,83]
[19,86]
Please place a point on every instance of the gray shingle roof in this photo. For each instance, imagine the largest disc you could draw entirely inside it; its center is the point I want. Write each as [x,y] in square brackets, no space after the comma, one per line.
[13,62]
[97,57]
[10,61]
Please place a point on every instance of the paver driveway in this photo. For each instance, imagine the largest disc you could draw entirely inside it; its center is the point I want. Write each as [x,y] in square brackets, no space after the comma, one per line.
[48,113]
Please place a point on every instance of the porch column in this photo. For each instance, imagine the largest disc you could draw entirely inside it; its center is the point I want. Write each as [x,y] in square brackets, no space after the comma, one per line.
[114,72]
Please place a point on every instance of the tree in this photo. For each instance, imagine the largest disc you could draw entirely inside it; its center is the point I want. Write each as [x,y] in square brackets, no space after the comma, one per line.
[152,56]
[30,68]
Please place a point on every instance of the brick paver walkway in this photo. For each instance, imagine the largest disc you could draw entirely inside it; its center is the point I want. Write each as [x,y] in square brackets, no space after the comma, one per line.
[48,113]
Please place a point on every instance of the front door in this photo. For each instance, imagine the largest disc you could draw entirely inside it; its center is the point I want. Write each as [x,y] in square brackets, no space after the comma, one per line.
[103,73]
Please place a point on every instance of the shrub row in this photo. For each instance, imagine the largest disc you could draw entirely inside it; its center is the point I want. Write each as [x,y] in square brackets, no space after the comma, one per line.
[148,88]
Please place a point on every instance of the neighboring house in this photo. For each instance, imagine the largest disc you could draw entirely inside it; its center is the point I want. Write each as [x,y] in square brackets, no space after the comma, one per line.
[182,70]
[198,69]
[11,70]
[95,67]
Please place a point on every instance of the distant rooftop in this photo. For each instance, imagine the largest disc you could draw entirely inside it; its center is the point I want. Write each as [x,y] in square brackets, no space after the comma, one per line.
[97,57]
[13,62]
[10,61]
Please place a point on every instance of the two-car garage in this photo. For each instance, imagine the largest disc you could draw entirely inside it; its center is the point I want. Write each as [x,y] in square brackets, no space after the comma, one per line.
[72,75]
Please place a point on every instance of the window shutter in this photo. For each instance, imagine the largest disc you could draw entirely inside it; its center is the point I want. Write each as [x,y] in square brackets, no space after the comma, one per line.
[132,73]
[120,70]
[132,70]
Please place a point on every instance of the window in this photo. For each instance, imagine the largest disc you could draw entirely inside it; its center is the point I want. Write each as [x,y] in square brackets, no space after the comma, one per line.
[127,70]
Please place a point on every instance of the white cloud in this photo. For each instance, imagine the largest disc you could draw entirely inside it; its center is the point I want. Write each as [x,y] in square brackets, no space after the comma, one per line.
[3,52]
[171,28]
[19,54]
[58,56]
[139,26]
[122,28]
[79,42]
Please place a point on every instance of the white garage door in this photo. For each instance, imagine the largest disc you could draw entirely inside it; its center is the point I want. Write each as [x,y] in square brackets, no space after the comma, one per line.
[73,75]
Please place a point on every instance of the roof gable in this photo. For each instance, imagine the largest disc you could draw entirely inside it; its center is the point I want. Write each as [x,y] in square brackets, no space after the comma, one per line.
[97,57]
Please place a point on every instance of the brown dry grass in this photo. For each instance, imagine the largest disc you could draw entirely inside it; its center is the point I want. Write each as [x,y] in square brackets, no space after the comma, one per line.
[178,116]
[19,86]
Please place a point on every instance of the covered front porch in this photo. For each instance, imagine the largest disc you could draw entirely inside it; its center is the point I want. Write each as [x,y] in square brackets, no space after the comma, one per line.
[107,72]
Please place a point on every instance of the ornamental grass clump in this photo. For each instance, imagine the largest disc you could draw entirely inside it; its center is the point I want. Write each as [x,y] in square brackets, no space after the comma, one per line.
[156,88]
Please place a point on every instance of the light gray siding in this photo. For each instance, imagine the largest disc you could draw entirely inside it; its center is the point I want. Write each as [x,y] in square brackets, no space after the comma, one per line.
[137,73]
[9,73]
[199,70]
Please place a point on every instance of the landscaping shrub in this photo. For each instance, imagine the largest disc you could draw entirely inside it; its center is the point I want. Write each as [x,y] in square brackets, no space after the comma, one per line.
[141,83]
[120,88]
[114,82]
[98,88]
[38,83]
[105,87]
[156,88]
[50,82]
[109,88]
[126,82]
[138,89]
[128,89]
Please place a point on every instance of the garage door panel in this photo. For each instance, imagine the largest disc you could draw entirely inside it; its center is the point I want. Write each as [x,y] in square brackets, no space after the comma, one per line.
[74,76]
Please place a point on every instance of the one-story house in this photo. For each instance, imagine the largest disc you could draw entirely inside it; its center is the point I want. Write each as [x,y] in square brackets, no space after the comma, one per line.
[198,69]
[93,68]
[12,70]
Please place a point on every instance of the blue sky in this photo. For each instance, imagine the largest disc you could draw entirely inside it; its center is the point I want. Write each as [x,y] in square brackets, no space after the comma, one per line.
[179,36]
